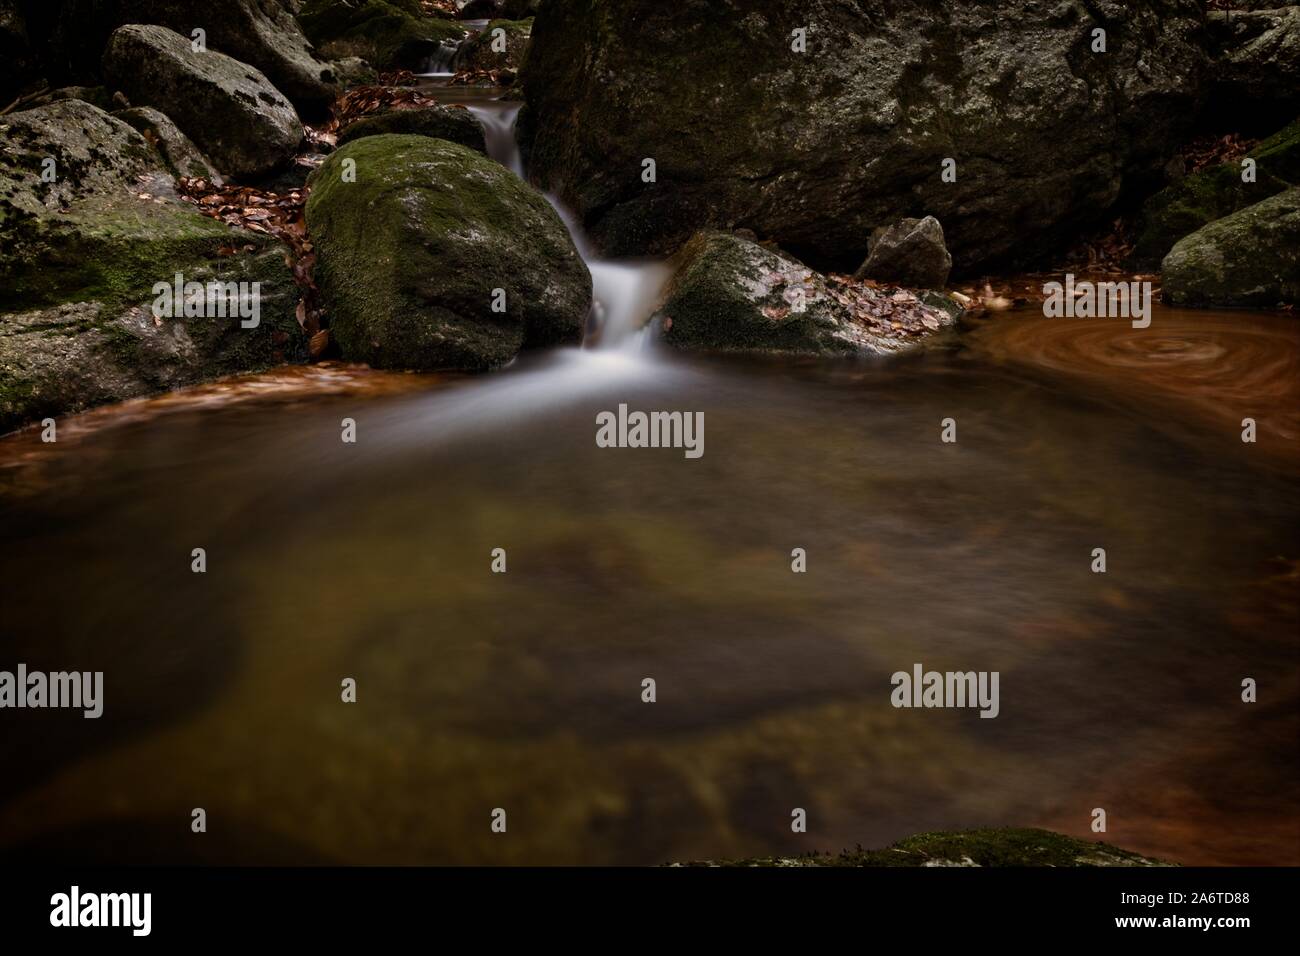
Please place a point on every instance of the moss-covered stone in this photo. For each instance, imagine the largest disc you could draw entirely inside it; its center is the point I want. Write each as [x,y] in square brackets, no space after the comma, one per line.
[452,123]
[409,256]
[389,34]
[988,847]
[178,153]
[84,251]
[1209,194]
[1249,258]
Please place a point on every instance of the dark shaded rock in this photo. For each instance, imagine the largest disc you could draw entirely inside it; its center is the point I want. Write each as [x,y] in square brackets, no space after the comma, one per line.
[263,33]
[19,64]
[179,155]
[910,253]
[1250,258]
[477,52]
[816,149]
[95,95]
[82,256]
[229,109]
[520,9]
[452,123]
[1199,198]
[730,294]
[1257,62]
[410,253]
[388,35]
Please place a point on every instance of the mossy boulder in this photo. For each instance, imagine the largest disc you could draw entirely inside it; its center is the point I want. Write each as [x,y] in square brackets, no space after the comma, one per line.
[229,109]
[988,847]
[409,256]
[453,123]
[1209,194]
[815,149]
[1250,258]
[83,253]
[729,294]
[388,34]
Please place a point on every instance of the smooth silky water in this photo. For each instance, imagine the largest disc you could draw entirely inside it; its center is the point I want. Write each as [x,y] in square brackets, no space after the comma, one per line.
[523,690]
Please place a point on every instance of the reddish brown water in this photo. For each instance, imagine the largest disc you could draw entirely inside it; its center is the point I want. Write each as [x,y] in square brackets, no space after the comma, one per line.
[522,690]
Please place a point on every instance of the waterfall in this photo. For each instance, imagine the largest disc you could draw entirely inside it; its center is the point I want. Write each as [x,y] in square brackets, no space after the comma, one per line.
[624,291]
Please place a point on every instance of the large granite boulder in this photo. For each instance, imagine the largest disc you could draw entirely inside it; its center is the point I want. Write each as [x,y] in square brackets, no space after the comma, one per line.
[229,109]
[816,149]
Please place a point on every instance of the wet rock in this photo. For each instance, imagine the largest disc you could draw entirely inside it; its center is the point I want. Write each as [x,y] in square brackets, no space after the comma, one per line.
[816,149]
[1249,258]
[909,253]
[179,154]
[410,254]
[477,52]
[452,123]
[82,256]
[263,33]
[229,109]
[389,35]
[1199,198]
[731,294]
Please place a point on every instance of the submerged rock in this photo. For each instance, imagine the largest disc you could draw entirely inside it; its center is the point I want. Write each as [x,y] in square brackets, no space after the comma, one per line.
[389,35]
[911,253]
[990,847]
[816,149]
[229,109]
[179,154]
[83,254]
[414,255]
[1250,258]
[452,123]
[731,294]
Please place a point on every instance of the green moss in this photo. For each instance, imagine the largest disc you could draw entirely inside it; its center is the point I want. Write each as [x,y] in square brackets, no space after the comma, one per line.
[1000,847]
[409,253]
[1210,194]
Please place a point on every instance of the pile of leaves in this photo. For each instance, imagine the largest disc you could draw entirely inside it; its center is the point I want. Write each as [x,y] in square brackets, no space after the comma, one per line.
[1214,150]
[438,8]
[398,78]
[501,77]
[364,101]
[886,310]
[275,214]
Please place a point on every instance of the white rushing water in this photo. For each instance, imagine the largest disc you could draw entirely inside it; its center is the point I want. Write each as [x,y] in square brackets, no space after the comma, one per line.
[625,292]
[617,355]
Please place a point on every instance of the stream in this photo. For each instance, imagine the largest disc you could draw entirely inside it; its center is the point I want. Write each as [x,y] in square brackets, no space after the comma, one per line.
[522,690]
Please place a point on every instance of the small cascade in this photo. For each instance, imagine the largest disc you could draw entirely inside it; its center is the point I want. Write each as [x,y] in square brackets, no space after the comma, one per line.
[624,291]
[443,60]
